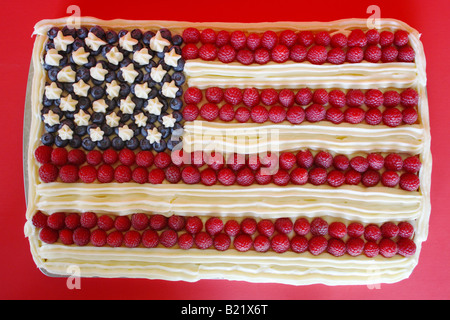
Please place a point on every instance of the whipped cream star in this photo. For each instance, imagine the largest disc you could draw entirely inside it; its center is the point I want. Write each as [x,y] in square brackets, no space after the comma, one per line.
[158,43]
[114,56]
[169,89]
[81,118]
[112,120]
[61,41]
[127,105]
[125,133]
[51,118]
[128,73]
[65,133]
[98,72]
[154,106]
[142,90]
[169,121]
[171,58]
[127,42]
[96,134]
[66,74]
[153,135]
[68,103]
[113,89]
[142,56]
[81,88]
[140,119]
[158,73]
[80,57]
[99,106]
[93,42]
[52,91]
[52,58]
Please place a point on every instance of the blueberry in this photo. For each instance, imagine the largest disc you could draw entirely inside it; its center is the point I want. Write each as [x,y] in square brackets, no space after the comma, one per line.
[84,74]
[145,144]
[99,32]
[176,104]
[75,143]
[124,90]
[148,126]
[60,143]
[91,62]
[64,61]
[47,102]
[180,65]
[132,144]
[166,34]
[71,114]
[49,45]
[150,65]
[177,40]
[111,37]
[122,33]
[107,130]
[167,78]
[139,103]
[69,31]
[98,118]
[179,78]
[82,32]
[77,44]
[172,143]
[80,130]
[51,129]
[53,74]
[69,88]
[47,139]
[104,144]
[136,34]
[161,146]
[83,103]
[117,143]
[88,144]
[165,132]
[97,92]
[57,111]
[177,115]
[179,92]
[147,36]
[67,122]
[52,33]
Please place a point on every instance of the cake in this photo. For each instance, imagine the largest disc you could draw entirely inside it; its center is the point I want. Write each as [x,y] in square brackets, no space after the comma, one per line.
[282,152]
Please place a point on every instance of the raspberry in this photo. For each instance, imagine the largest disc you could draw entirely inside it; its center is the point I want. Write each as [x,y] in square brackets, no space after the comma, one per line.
[355,55]
[298,53]
[376,161]
[88,220]
[259,114]
[374,98]
[213,225]
[232,228]
[372,233]
[317,245]
[242,114]
[226,176]
[341,162]
[105,222]
[284,225]
[288,38]
[301,227]
[386,38]
[98,238]
[245,177]
[94,157]
[253,162]
[355,98]
[226,112]
[81,236]
[168,238]
[357,38]
[359,163]
[305,159]
[233,96]
[370,178]
[388,248]
[412,164]
[207,52]
[401,38]
[245,57]
[373,116]
[132,239]
[269,97]
[354,115]
[280,243]
[43,154]
[277,114]
[214,95]
[315,113]
[122,223]
[208,36]
[56,220]
[185,241]
[248,226]
[191,35]
[336,247]
[317,55]
[266,227]
[373,36]
[48,172]
[139,175]
[391,99]
[149,238]
[306,38]
[139,221]
[406,230]
[156,176]
[355,246]
[389,54]
[110,156]
[190,112]
[287,160]
[304,96]
[253,41]
[336,56]
[352,177]
[222,38]
[192,95]
[410,115]
[39,220]
[338,40]
[262,56]
[209,111]
[355,230]
[226,54]
[193,225]
[299,244]
[323,159]
[76,157]
[242,242]
[295,115]
[335,178]
[144,158]
[409,182]
[238,39]
[409,98]
[236,161]
[319,227]
[371,249]
[114,239]
[280,53]
[261,243]
[176,222]
[390,179]
[286,98]
[392,117]
[222,242]
[66,236]
[203,240]
[262,179]
[406,247]
[322,38]
[208,177]
[389,230]
[59,156]
[269,39]
[122,174]
[215,160]
[393,161]
[189,51]
[48,235]
[127,157]
[334,115]
[68,173]
[320,96]
[162,160]
[372,54]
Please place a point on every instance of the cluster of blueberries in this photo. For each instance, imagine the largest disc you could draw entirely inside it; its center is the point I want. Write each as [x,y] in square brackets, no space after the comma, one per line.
[97,91]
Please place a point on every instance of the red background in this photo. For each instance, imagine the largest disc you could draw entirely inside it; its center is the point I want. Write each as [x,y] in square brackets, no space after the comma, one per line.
[19,278]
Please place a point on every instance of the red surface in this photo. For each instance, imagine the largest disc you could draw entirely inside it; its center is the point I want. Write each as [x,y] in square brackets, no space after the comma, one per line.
[19,278]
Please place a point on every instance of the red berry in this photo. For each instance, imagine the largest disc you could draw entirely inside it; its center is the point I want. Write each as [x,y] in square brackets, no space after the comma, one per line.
[114,239]
[266,227]
[334,115]
[355,230]
[373,36]
[222,38]
[372,233]
[122,174]
[209,111]
[226,112]
[269,39]
[301,226]
[286,98]
[372,54]
[203,240]
[208,36]
[406,247]
[401,38]
[242,114]
[389,230]
[168,238]
[390,179]
[388,248]
[354,115]
[355,98]
[105,222]
[317,54]
[409,182]
[226,54]
[162,160]
[392,117]
[226,176]
[306,38]
[317,245]
[409,98]
[386,38]
[295,115]
[261,243]
[359,163]
[245,177]
[299,244]
[192,95]
[48,235]
[149,238]
[156,176]
[59,156]
[190,112]
[389,54]
[338,40]
[193,225]
[222,242]
[305,159]
[88,220]
[391,99]
[337,229]
[374,98]
[262,56]
[412,164]
[242,242]
[304,96]
[284,225]
[288,38]
[336,178]
[144,158]
[214,225]
[122,223]
[248,226]
[214,95]
[68,173]
[245,57]
[280,243]
[127,157]
[299,176]
[233,96]
[185,241]
[81,236]
[371,249]
[277,114]
[208,177]
[336,247]
[336,56]
[207,52]
[39,220]
[355,55]
[253,41]
[280,53]
[56,220]
[269,97]
[322,38]
[43,154]
[357,38]
[370,178]
[191,35]
[48,172]
[232,228]
[139,221]
[132,239]
[355,246]
[323,159]
[76,157]
[341,162]
[393,161]
[139,175]
[298,53]
[373,116]
[66,236]
[320,96]
[406,230]
[410,115]
[259,114]
[319,227]
[189,51]
[315,113]
[176,222]
[238,39]
[352,177]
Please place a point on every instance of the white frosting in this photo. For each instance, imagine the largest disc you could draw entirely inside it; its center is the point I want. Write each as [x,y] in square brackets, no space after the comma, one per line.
[52,58]
[51,118]
[169,89]
[100,105]
[61,41]
[142,56]
[127,105]
[65,133]
[169,121]
[153,135]
[114,56]
[113,89]
[81,88]
[80,57]
[68,103]
[112,120]
[157,73]
[171,58]
[154,106]
[52,91]
[158,43]
[94,42]
[96,134]
[66,74]
[81,118]
[140,119]
[142,90]
[125,133]
[128,73]
[98,72]
[127,42]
